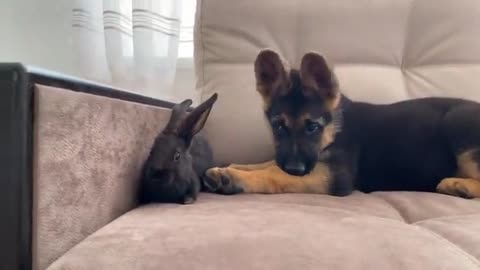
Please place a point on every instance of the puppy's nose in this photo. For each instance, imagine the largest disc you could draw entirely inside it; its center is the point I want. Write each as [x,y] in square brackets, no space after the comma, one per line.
[295,168]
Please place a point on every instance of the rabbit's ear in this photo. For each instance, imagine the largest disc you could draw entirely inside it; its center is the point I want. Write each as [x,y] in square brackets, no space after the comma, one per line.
[195,120]
[176,116]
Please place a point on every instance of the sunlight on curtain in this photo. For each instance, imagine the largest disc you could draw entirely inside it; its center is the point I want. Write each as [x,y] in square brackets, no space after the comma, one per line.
[133,44]
[141,40]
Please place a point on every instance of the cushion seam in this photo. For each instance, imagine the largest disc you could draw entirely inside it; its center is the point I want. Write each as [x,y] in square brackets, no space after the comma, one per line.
[341,210]
[406,41]
[389,205]
[442,218]
[58,258]
[453,247]
[202,41]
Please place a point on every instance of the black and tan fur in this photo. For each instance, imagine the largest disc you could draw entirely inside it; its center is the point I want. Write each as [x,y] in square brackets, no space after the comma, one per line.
[325,143]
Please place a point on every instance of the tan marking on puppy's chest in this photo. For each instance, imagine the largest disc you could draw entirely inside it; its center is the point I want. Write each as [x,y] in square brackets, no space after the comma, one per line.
[467,166]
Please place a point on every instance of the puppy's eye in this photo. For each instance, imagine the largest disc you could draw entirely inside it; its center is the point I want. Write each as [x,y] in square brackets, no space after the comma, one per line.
[322,121]
[312,128]
[278,128]
[176,156]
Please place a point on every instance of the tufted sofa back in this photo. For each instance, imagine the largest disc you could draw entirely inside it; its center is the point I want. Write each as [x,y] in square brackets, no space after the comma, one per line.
[383,51]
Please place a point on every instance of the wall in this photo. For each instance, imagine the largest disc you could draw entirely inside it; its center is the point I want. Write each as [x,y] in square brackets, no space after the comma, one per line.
[40,33]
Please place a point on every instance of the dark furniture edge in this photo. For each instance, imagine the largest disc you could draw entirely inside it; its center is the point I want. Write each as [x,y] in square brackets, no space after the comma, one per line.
[80,85]
[16,152]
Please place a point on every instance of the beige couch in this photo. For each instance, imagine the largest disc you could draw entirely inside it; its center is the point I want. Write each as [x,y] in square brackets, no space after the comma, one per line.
[74,149]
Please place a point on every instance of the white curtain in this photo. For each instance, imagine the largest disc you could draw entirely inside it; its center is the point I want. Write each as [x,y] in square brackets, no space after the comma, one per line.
[139,45]
[131,44]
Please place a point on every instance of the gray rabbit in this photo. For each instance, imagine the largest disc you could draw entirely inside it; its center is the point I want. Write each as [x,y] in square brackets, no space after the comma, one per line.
[179,157]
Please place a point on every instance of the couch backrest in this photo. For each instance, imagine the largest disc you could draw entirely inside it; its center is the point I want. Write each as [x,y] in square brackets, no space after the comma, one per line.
[383,51]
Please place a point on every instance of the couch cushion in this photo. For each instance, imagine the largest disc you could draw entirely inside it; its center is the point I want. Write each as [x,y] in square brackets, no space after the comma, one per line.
[383,51]
[288,231]
[414,208]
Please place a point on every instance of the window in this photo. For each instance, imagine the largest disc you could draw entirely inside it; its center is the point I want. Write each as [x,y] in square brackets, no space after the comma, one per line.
[185,48]
[124,43]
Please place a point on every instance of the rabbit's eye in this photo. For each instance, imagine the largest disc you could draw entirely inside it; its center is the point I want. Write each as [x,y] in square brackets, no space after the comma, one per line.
[176,156]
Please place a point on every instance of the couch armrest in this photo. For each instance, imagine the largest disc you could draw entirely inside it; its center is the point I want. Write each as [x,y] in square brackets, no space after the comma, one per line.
[15,168]
[72,160]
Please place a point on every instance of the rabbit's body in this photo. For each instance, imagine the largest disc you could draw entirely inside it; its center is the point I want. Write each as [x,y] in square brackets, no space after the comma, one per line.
[202,155]
[179,158]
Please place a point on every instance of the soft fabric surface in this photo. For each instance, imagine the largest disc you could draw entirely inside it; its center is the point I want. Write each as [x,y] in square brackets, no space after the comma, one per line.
[88,151]
[397,230]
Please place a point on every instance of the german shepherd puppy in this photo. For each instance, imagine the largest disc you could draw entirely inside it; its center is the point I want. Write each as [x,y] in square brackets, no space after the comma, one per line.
[328,144]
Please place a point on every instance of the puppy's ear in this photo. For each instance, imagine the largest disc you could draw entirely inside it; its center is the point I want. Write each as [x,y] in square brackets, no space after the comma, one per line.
[194,121]
[271,75]
[317,77]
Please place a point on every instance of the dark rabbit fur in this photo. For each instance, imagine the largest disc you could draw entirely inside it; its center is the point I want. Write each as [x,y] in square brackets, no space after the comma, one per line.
[179,157]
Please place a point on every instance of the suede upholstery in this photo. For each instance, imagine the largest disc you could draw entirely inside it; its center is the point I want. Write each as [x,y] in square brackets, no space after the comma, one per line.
[88,151]
[289,231]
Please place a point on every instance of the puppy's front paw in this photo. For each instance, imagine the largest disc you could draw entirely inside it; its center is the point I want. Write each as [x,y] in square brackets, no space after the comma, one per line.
[218,180]
[455,187]
[212,179]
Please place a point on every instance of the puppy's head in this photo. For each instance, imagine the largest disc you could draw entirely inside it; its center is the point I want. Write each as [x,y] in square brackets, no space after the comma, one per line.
[301,106]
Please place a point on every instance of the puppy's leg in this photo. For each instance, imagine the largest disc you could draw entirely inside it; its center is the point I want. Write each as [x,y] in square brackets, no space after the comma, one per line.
[461,127]
[269,180]
[460,187]
[467,184]
[251,167]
